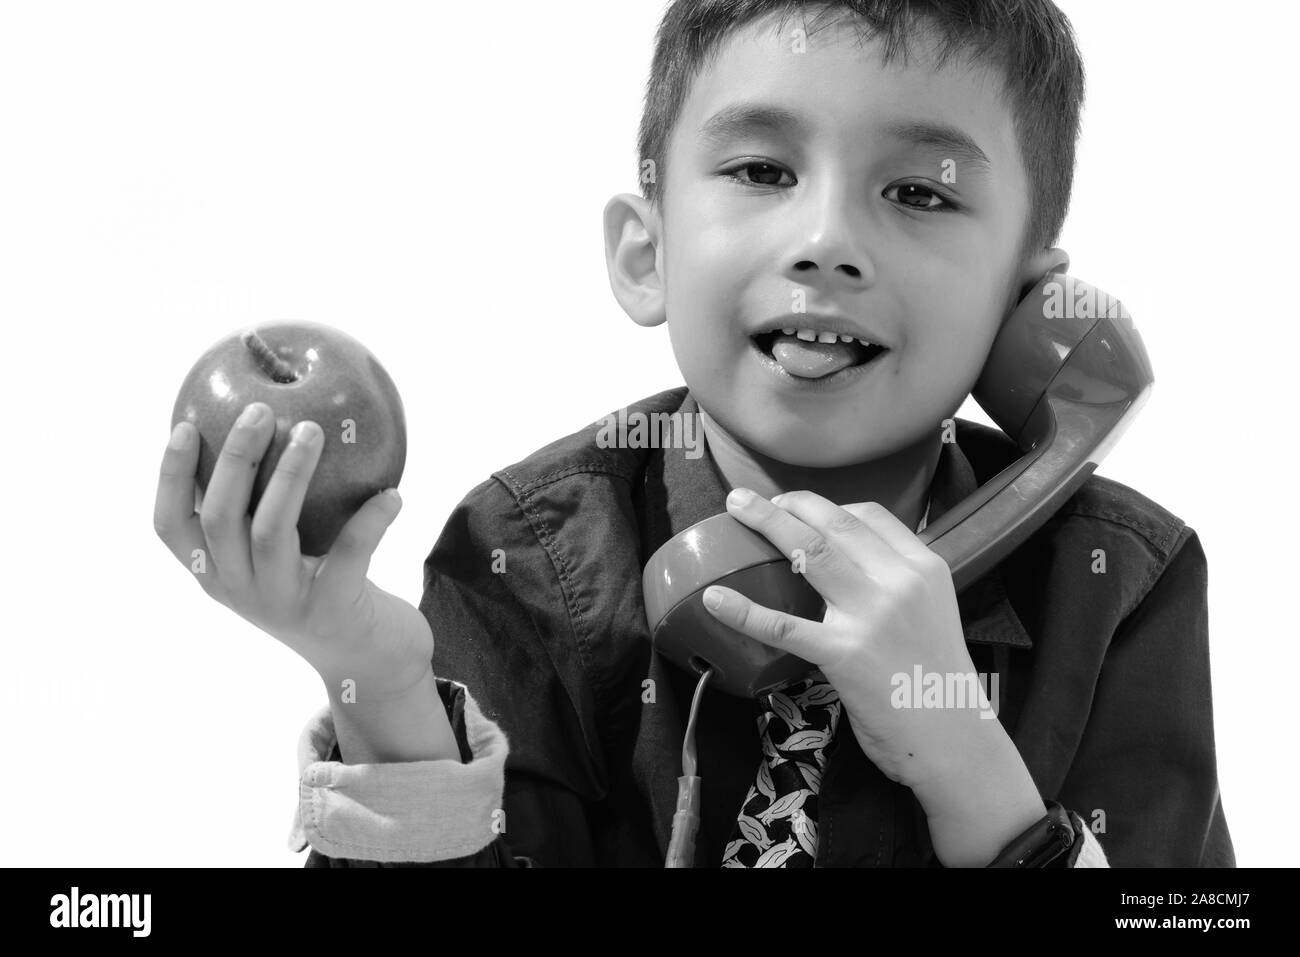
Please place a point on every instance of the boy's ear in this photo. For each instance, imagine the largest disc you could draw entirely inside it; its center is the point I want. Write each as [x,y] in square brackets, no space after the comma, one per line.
[633,235]
[1038,265]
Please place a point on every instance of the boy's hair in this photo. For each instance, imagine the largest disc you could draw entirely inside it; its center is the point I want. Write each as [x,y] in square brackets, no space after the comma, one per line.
[1029,42]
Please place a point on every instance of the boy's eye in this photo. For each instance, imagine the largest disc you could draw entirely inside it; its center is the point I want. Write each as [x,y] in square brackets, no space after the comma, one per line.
[918,196]
[759,174]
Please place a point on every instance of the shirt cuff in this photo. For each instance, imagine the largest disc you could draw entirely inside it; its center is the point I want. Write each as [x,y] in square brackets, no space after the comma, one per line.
[1086,851]
[1091,854]
[408,811]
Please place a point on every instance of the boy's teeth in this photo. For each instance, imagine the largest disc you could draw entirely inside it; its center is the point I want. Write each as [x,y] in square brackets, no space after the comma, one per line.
[812,335]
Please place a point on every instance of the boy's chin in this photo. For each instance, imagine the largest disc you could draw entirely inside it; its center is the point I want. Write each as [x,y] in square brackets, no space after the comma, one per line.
[823,448]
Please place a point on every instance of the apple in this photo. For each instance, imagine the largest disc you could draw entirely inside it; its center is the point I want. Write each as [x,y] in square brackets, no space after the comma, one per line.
[303,370]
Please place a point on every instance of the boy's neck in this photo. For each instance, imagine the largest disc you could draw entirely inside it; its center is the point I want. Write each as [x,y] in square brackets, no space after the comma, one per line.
[900,481]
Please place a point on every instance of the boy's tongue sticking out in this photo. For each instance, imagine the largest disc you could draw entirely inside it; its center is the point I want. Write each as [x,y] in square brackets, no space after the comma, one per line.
[816,355]
[802,355]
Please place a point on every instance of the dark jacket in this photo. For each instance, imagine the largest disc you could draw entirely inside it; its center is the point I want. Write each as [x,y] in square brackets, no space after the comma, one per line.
[1104,676]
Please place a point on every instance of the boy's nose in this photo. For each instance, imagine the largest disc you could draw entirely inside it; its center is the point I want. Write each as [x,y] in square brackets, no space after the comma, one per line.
[835,266]
[848,269]
[833,247]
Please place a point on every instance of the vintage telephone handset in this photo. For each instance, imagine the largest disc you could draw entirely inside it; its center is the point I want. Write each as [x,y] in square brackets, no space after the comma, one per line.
[1065,378]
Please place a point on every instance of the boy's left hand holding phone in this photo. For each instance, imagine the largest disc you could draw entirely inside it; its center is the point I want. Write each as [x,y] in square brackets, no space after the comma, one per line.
[891,610]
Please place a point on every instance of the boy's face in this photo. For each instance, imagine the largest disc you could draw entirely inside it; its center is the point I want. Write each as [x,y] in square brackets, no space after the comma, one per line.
[886,203]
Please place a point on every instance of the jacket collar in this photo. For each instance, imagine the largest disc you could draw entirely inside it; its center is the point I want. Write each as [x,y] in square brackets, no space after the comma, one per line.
[680,491]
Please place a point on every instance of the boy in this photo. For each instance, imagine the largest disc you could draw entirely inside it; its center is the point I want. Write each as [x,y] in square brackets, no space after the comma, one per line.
[842,204]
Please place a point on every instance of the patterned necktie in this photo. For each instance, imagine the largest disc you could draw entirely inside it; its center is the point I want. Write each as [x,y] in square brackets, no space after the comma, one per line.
[777,826]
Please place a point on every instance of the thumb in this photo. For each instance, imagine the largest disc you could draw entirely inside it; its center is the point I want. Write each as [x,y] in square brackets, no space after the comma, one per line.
[349,557]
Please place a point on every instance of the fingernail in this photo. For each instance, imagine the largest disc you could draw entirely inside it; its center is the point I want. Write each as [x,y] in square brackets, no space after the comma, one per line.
[252,415]
[712,598]
[180,436]
[305,433]
[392,493]
[740,497]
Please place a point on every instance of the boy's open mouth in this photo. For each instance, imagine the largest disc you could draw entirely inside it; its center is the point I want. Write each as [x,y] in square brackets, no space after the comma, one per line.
[811,355]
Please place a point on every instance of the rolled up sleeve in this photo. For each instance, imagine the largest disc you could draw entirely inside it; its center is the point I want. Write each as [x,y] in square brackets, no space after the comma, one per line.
[405,812]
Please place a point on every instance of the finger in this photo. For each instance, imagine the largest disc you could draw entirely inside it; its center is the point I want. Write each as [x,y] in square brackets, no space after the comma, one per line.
[889,529]
[842,527]
[344,570]
[224,518]
[813,554]
[174,518]
[273,535]
[776,629]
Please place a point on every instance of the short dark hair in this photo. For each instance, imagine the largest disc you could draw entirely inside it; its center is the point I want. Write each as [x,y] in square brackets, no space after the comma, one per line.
[1030,42]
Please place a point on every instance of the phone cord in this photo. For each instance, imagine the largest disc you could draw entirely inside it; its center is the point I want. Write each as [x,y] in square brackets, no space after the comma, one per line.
[686,822]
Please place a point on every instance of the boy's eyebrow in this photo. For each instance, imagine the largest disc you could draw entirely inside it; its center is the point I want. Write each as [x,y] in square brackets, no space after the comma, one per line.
[744,119]
[943,138]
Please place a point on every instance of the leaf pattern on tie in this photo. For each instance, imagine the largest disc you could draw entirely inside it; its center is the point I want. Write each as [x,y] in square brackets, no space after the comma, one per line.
[787,710]
[818,695]
[803,741]
[754,832]
[810,774]
[785,806]
[770,750]
[806,835]
[775,856]
[777,824]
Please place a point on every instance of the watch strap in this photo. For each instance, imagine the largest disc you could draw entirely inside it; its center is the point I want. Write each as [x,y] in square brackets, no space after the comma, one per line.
[1047,842]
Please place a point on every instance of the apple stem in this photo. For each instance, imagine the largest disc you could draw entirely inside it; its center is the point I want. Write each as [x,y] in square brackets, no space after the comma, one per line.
[271,364]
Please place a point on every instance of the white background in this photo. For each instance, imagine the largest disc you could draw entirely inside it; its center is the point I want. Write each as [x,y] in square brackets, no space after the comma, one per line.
[434,184]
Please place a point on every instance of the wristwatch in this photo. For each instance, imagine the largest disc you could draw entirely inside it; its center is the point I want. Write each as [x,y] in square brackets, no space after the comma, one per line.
[1045,843]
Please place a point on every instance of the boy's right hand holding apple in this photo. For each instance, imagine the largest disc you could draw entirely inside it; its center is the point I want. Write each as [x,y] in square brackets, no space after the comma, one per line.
[325,608]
